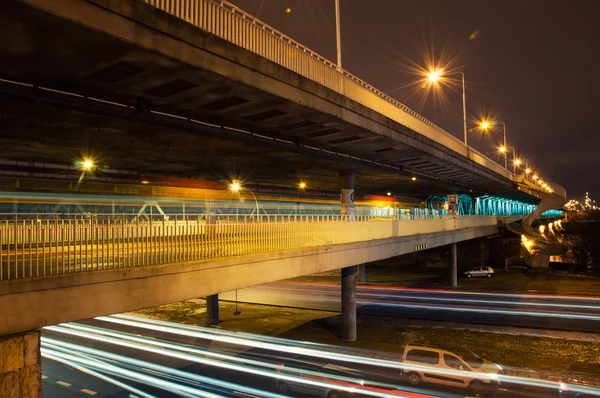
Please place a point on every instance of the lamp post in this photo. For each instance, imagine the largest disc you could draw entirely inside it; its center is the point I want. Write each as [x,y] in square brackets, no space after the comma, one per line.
[436,75]
[235,186]
[338,36]
[485,126]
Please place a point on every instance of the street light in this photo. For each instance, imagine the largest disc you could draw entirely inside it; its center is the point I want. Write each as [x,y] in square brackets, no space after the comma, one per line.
[236,186]
[302,185]
[485,126]
[435,75]
[516,161]
[338,36]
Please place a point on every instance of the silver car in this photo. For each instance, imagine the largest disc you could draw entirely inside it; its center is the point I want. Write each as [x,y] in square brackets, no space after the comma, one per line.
[486,271]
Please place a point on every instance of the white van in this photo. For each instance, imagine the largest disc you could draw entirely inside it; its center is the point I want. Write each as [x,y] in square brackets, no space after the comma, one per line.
[430,364]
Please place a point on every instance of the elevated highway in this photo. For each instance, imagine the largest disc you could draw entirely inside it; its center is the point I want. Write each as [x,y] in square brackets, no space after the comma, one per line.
[200,87]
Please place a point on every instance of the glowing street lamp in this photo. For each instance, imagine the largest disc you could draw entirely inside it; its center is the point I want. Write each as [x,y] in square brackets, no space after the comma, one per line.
[527,170]
[486,125]
[87,165]
[236,186]
[435,75]
[516,161]
[302,185]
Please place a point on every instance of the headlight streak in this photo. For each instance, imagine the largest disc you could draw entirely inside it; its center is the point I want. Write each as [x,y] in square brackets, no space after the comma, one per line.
[192,358]
[182,375]
[200,351]
[324,354]
[131,375]
[472,300]
[469,309]
[100,376]
[328,348]
[317,287]
[325,351]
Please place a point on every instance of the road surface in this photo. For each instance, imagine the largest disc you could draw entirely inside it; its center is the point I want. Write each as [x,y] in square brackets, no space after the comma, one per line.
[148,358]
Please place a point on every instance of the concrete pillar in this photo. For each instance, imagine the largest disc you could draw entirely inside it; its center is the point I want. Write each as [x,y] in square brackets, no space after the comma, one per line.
[347,196]
[212,309]
[454,266]
[539,260]
[349,303]
[362,275]
[21,365]
[485,251]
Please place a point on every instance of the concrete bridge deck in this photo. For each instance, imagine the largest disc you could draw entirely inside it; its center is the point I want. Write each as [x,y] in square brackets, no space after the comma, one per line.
[196,267]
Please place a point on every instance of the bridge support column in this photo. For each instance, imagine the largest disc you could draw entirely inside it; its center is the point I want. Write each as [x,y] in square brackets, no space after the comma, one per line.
[212,309]
[349,303]
[347,196]
[485,251]
[454,266]
[21,365]
[362,275]
[540,260]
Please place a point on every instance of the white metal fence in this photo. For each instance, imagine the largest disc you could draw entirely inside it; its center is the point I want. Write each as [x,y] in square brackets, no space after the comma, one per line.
[229,22]
[35,247]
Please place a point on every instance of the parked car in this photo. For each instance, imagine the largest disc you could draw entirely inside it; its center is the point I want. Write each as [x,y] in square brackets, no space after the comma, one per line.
[580,380]
[430,364]
[487,272]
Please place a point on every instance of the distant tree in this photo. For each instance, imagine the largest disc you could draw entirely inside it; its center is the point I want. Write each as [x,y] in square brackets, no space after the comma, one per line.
[578,253]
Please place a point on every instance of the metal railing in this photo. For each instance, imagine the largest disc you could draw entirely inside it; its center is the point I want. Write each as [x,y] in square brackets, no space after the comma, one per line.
[231,23]
[36,247]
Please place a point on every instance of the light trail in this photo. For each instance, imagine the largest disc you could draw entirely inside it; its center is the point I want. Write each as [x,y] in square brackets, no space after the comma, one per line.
[395,302]
[99,375]
[70,347]
[323,351]
[234,367]
[130,375]
[287,285]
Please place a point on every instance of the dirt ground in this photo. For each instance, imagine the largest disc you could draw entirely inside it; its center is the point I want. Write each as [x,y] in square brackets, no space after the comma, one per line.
[513,349]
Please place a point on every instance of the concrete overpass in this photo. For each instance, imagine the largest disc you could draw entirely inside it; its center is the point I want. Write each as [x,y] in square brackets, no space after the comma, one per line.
[186,91]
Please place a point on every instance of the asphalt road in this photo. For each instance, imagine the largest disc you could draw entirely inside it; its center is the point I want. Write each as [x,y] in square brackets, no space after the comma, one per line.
[211,361]
[578,313]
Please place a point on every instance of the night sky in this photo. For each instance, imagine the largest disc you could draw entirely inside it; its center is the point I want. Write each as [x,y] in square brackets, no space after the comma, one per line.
[534,64]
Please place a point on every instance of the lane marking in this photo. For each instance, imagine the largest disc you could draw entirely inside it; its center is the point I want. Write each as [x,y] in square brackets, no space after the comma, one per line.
[89,392]
[246,394]
[63,383]
[44,377]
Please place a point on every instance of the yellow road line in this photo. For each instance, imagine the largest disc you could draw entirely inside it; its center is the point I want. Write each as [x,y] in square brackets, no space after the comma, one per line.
[63,383]
[89,392]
